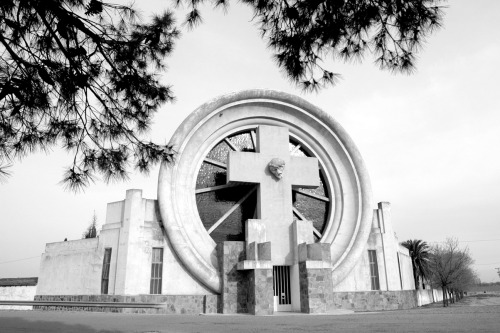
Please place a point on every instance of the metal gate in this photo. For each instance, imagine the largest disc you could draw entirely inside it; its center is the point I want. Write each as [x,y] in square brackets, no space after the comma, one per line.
[281,285]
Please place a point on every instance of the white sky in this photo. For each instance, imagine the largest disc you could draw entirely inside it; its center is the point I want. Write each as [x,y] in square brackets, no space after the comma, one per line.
[430,140]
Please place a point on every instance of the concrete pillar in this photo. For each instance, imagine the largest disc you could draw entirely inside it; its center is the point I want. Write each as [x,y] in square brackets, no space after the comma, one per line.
[389,247]
[255,276]
[315,278]
[234,282]
[260,292]
[302,232]
[129,267]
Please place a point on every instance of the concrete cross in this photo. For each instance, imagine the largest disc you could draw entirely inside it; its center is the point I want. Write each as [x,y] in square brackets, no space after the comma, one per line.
[274,195]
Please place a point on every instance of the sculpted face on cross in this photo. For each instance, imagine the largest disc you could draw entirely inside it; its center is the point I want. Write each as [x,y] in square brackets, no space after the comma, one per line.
[277,167]
[266,167]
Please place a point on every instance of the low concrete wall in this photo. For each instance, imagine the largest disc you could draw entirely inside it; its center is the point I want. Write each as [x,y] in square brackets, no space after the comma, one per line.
[17,293]
[71,267]
[375,300]
[405,269]
[171,304]
[428,296]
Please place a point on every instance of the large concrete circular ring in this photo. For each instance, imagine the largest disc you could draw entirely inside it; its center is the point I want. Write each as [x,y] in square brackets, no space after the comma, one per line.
[349,222]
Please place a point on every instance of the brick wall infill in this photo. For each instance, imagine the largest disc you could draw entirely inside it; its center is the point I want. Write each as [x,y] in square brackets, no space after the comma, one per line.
[315,289]
[375,300]
[170,304]
[260,292]
[234,296]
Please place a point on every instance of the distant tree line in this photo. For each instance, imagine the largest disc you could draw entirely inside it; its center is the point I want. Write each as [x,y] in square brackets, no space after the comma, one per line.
[445,266]
[484,284]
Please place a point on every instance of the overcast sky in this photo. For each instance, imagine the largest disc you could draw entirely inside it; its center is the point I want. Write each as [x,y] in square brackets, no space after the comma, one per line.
[430,140]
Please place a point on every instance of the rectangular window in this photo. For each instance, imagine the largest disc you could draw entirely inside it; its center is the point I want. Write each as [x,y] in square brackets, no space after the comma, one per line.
[156,270]
[400,271]
[105,271]
[372,255]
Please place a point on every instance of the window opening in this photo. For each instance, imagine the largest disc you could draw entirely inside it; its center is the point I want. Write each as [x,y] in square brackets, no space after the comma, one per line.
[156,270]
[105,271]
[372,255]
[400,271]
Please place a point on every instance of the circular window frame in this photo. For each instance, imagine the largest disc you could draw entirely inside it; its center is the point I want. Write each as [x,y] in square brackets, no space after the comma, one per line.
[350,219]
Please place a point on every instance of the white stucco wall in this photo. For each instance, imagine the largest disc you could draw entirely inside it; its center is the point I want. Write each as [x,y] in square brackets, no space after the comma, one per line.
[359,278]
[427,296]
[17,293]
[384,241]
[71,268]
[141,231]
[406,269]
[131,230]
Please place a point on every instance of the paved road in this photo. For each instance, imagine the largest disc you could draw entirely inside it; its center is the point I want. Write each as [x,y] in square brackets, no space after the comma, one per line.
[473,314]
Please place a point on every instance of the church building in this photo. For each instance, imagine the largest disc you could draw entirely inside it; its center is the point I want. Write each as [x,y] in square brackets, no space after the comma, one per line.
[267,207]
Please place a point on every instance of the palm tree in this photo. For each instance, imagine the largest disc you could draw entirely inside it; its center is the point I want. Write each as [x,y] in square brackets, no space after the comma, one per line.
[419,254]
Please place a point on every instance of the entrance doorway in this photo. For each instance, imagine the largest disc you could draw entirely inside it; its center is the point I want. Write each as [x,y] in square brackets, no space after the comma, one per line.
[281,286]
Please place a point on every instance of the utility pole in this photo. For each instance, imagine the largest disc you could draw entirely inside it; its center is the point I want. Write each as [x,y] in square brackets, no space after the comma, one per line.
[498,271]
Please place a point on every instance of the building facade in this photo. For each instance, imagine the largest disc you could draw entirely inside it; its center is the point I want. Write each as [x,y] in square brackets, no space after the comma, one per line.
[267,207]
